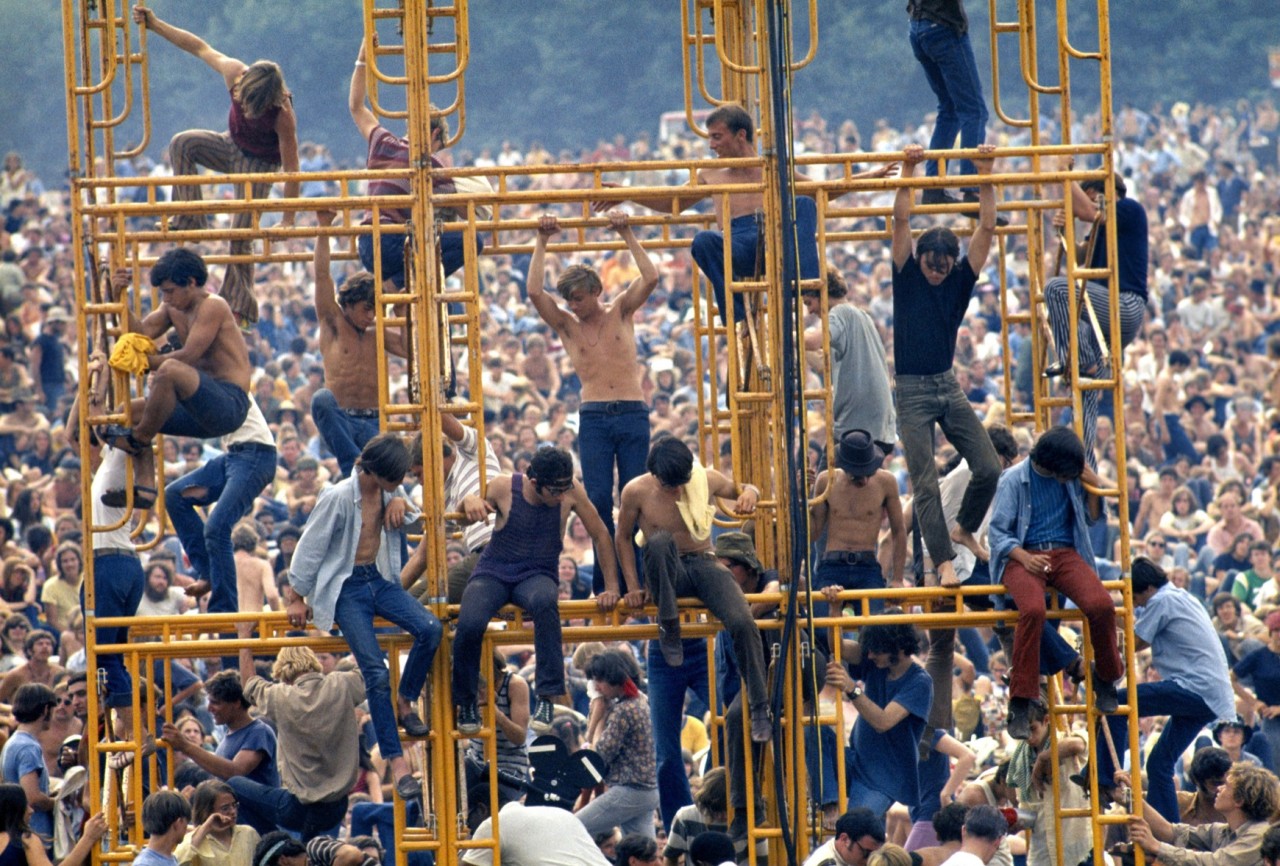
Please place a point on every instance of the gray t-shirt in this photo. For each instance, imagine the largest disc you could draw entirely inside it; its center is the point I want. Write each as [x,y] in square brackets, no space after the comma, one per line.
[860,376]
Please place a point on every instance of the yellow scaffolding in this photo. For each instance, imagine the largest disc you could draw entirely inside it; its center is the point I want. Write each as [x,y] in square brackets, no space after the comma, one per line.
[107,84]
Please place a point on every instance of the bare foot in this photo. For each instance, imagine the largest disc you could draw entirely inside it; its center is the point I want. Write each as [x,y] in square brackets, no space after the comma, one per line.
[199,588]
[965,538]
[947,575]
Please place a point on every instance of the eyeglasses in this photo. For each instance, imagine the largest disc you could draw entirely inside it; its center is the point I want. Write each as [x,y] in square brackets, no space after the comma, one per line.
[64,702]
[228,809]
[866,852]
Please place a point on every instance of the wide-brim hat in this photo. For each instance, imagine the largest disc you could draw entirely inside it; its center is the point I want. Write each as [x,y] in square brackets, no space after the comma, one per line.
[739,547]
[858,455]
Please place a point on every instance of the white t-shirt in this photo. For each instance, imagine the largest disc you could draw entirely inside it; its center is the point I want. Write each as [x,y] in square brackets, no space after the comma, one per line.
[254,429]
[963,858]
[537,836]
[110,476]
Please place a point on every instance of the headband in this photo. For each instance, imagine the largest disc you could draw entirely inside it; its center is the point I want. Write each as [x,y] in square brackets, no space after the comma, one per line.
[273,851]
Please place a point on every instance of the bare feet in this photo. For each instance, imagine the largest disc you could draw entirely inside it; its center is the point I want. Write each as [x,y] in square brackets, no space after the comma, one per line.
[947,574]
[965,538]
[199,588]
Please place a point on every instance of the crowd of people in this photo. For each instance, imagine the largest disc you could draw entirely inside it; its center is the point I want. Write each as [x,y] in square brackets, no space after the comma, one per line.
[280,493]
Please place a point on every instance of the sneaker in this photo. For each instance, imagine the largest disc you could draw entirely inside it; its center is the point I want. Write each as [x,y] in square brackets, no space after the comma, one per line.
[469,719]
[1105,699]
[938,195]
[1019,722]
[543,716]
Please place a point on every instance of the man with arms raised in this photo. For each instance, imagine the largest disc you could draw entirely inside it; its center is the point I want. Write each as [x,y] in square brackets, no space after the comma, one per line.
[601,342]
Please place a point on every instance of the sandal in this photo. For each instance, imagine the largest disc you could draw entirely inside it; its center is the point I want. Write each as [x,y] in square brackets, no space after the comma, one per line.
[408,787]
[143,497]
[121,437]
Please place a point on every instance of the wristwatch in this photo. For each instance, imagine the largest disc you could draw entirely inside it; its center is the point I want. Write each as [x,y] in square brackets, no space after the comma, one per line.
[855,692]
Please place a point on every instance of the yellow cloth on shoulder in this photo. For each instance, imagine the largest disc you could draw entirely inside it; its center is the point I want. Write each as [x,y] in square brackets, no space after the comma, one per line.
[130,353]
[694,505]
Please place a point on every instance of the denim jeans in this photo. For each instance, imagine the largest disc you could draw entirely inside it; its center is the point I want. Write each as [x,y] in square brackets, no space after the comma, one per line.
[345,434]
[452,254]
[264,809]
[368,817]
[667,688]
[117,589]
[847,575]
[744,236]
[230,483]
[628,808]
[924,401]
[539,597]
[862,796]
[949,65]
[1187,713]
[364,595]
[610,433]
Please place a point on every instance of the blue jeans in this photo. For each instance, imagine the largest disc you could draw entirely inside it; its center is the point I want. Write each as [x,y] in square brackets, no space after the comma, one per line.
[667,688]
[345,434]
[367,817]
[117,589]
[610,433]
[820,759]
[847,575]
[1187,714]
[949,65]
[861,795]
[744,236]
[230,483]
[364,595]
[539,597]
[452,254]
[264,809]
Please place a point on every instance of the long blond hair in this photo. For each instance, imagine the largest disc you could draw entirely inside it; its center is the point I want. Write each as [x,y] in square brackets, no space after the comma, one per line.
[260,88]
[293,662]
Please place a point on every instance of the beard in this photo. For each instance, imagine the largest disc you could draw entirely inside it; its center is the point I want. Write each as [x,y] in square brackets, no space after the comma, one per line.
[156,595]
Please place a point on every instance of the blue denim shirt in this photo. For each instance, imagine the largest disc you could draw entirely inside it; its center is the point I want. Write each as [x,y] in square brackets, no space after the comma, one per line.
[326,552]
[1012,517]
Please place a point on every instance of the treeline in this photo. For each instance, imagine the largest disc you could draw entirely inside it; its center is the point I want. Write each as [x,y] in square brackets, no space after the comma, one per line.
[568,72]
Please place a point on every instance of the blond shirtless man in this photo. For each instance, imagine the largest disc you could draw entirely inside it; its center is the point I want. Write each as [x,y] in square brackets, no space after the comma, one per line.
[601,342]
[201,388]
[731,135]
[346,409]
[859,496]
[255,582]
[673,505]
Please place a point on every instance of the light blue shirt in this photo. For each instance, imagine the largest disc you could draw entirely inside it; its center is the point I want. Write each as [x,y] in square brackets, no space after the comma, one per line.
[1011,519]
[326,552]
[1185,648]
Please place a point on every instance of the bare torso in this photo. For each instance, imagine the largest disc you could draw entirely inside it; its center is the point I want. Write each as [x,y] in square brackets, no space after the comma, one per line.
[252,576]
[855,513]
[603,352]
[371,513]
[740,204]
[350,358]
[227,358]
[659,513]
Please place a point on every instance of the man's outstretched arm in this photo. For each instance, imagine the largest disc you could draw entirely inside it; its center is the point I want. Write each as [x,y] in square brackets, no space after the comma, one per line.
[642,286]
[548,309]
[980,243]
[902,202]
[366,121]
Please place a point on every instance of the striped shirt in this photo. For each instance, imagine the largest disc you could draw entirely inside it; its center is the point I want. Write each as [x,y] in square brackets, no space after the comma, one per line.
[323,851]
[1050,512]
[387,150]
[464,481]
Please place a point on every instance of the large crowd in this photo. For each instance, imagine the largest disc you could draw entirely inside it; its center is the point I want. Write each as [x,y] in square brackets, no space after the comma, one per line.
[1201,383]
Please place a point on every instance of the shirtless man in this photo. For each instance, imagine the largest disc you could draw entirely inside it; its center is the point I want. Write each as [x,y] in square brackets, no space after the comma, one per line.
[520,565]
[601,342]
[679,561]
[36,669]
[346,409]
[255,583]
[731,135]
[1167,409]
[1156,502]
[860,496]
[200,389]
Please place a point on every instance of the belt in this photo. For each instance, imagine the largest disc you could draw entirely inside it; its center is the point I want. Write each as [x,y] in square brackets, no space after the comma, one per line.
[1045,545]
[360,413]
[115,551]
[701,554]
[851,557]
[250,446]
[614,407]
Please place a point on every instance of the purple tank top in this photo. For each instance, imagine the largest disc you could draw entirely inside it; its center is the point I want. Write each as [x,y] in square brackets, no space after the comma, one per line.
[527,545]
[255,136]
